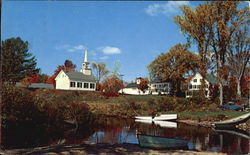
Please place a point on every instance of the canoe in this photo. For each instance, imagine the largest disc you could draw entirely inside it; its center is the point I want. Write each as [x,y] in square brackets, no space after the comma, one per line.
[164,117]
[234,131]
[157,142]
[165,124]
[232,122]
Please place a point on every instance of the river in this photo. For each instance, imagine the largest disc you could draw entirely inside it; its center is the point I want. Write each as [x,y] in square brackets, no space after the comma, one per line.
[113,131]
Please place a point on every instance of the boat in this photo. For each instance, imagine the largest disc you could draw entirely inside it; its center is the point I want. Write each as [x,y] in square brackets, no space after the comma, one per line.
[234,131]
[230,123]
[166,124]
[157,142]
[164,117]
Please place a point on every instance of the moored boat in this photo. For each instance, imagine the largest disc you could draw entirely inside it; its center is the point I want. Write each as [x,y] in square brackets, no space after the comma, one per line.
[156,142]
[164,117]
[232,122]
[166,124]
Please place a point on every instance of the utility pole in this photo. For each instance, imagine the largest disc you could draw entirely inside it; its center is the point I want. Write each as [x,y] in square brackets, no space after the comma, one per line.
[122,81]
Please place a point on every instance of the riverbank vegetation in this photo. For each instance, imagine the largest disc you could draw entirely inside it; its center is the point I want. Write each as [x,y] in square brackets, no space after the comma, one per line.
[52,107]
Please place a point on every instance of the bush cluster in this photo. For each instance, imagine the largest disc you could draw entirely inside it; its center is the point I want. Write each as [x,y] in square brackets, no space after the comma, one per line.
[43,106]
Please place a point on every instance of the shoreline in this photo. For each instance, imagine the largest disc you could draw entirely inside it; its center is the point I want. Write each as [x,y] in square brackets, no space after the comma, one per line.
[243,126]
[90,148]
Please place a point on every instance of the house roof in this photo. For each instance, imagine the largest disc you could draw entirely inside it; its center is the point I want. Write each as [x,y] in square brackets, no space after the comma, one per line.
[79,76]
[211,78]
[36,85]
[131,85]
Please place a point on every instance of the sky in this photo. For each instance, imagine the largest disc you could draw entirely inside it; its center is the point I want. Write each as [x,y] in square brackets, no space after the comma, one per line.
[130,33]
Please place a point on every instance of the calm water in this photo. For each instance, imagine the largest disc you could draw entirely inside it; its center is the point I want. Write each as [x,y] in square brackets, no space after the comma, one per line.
[110,130]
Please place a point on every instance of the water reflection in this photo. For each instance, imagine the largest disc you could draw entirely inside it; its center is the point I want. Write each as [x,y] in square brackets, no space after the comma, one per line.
[200,138]
[111,130]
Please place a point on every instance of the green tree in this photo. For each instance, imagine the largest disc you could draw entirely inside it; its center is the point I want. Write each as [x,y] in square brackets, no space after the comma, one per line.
[100,70]
[173,65]
[16,60]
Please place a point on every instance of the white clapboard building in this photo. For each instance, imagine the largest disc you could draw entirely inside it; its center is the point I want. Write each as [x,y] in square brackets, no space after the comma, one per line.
[73,80]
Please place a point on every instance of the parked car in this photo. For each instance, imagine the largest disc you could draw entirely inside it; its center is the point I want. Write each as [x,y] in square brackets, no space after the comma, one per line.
[232,106]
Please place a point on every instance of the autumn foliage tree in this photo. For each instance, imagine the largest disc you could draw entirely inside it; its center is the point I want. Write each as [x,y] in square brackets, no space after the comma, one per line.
[212,26]
[111,85]
[68,66]
[173,65]
[143,85]
[99,70]
[35,78]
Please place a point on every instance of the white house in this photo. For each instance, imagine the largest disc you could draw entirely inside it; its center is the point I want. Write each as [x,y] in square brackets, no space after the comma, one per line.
[195,84]
[154,88]
[132,89]
[157,87]
[73,80]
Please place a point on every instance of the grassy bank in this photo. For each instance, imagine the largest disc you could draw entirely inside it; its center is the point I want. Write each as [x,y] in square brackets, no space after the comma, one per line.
[52,106]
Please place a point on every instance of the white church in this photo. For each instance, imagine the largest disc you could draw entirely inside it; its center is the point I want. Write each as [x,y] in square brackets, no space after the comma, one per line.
[73,80]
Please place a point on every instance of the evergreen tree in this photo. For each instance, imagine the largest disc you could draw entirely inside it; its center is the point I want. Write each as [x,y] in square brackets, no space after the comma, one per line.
[16,60]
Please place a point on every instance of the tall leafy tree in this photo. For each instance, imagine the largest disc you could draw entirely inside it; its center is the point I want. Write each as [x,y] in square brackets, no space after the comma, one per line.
[239,55]
[218,22]
[173,65]
[196,25]
[99,70]
[17,61]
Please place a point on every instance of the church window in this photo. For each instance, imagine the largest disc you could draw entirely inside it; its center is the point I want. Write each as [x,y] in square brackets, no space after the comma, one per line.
[72,84]
[79,85]
[92,85]
[86,85]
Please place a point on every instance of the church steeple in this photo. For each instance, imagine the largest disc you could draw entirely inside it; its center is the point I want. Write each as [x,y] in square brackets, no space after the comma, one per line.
[85,69]
[86,57]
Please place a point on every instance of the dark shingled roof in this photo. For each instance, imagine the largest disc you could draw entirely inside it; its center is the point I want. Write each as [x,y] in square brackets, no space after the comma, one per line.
[131,85]
[79,76]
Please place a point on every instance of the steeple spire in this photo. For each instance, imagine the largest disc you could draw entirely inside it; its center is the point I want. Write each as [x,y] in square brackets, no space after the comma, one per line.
[85,69]
[86,56]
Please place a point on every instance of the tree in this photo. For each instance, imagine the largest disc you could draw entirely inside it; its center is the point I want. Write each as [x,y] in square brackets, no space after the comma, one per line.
[173,65]
[195,24]
[219,20]
[239,55]
[68,66]
[17,62]
[99,70]
[111,85]
[143,85]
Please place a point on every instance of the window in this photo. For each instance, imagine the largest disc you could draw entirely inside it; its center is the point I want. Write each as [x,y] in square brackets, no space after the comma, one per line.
[194,86]
[79,85]
[92,86]
[86,85]
[190,86]
[195,80]
[72,84]
[199,86]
